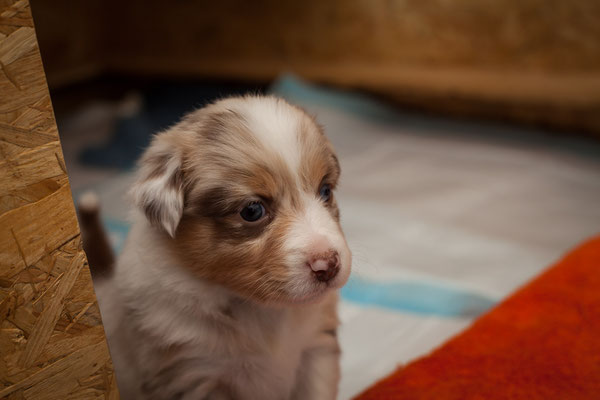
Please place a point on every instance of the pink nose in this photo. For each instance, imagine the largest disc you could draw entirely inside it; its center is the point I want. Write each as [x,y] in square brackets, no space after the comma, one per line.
[325,266]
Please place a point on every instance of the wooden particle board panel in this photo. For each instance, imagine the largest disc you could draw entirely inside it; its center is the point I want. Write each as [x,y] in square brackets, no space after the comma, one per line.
[52,343]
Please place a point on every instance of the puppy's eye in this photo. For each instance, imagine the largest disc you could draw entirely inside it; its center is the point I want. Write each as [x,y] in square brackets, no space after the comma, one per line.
[253,212]
[325,192]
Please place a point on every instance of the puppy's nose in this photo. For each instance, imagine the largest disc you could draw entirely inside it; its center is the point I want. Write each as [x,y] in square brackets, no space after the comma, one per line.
[325,267]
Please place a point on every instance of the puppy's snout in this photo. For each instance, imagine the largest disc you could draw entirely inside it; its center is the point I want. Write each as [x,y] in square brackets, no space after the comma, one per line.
[325,266]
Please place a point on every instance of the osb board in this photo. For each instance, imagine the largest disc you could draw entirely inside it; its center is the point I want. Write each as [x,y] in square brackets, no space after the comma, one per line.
[535,61]
[52,343]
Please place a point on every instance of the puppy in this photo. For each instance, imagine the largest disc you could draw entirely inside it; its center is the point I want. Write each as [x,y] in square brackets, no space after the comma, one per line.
[226,287]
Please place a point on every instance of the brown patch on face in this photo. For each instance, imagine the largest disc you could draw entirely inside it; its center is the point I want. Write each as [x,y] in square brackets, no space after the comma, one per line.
[218,245]
[222,204]
[318,161]
[319,164]
[226,170]
[254,268]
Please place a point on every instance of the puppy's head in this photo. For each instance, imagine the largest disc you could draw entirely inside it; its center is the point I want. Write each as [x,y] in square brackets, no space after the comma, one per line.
[244,191]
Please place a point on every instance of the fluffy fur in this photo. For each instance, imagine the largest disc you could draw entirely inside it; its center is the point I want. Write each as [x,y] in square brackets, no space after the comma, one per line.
[204,304]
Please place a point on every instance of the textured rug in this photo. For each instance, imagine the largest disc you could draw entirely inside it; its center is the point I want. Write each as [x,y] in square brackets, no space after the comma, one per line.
[543,342]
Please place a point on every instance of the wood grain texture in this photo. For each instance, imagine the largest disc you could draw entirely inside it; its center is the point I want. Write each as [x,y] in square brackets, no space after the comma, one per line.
[52,343]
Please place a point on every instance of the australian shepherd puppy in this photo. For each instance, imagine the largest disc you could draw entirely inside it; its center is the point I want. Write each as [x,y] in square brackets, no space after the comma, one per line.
[226,287]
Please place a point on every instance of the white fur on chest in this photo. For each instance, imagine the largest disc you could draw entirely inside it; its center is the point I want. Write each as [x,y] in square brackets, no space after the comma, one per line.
[163,324]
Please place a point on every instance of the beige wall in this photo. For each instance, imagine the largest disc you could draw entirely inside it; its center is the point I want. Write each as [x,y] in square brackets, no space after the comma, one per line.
[532,60]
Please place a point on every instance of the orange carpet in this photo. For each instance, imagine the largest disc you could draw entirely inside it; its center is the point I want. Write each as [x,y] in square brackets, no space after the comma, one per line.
[543,342]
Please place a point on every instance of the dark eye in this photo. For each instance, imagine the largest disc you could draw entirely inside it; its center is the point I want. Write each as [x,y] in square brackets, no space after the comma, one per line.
[325,192]
[253,212]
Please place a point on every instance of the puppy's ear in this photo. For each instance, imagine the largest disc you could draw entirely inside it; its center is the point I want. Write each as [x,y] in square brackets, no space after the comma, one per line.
[159,190]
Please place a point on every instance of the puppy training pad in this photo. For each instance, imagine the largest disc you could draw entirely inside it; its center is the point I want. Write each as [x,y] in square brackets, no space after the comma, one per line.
[543,342]
[444,218]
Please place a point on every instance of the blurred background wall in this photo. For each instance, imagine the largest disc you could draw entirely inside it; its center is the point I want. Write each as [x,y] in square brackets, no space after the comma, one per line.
[532,61]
